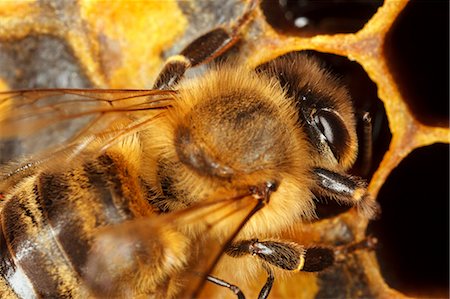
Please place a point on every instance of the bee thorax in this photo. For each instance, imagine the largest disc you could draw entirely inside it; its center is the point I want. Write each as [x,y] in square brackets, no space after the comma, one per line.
[231,134]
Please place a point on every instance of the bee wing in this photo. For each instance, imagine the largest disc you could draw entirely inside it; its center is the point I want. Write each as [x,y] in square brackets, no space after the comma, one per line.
[155,242]
[34,120]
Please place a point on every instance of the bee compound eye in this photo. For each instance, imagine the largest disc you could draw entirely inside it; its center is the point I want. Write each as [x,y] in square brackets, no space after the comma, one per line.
[334,130]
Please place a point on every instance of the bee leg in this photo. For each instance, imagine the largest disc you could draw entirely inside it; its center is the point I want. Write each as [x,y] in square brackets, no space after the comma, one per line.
[227,285]
[293,257]
[368,243]
[286,255]
[366,151]
[203,49]
[347,189]
[263,294]
[265,291]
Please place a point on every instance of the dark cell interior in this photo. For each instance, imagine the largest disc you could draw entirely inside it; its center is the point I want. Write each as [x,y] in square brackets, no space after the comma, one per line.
[417,49]
[413,229]
[309,17]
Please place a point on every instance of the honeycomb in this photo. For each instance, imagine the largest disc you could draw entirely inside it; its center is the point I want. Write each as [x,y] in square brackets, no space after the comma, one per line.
[123,44]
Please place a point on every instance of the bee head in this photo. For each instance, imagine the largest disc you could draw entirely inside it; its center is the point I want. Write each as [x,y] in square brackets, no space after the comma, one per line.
[324,105]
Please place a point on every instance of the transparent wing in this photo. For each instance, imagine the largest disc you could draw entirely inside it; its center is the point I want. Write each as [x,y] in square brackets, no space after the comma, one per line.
[129,247]
[47,106]
[32,121]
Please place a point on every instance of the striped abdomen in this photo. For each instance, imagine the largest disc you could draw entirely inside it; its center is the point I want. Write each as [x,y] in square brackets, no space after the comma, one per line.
[48,225]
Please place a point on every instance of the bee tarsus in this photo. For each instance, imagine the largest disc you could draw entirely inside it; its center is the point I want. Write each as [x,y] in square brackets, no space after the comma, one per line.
[227,285]
[367,143]
[263,294]
[368,243]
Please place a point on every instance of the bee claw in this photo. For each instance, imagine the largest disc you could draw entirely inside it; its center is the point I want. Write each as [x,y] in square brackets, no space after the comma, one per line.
[368,243]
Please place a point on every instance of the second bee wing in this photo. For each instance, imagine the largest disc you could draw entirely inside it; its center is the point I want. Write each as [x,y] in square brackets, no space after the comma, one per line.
[33,121]
[122,252]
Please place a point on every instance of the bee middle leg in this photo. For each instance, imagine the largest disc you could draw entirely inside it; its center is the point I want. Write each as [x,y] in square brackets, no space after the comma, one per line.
[293,257]
[288,256]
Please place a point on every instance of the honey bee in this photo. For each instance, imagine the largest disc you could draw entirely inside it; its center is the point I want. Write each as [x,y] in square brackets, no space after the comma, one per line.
[223,161]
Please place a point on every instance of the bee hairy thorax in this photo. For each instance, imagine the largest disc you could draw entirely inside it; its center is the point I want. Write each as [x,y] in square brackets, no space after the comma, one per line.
[230,135]
[235,126]
[235,130]
[222,140]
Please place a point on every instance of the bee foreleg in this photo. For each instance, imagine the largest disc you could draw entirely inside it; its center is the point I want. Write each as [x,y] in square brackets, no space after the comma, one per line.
[227,285]
[202,50]
[347,189]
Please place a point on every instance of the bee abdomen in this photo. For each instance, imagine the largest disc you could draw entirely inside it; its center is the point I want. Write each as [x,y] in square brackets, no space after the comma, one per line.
[13,281]
[33,264]
[48,226]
